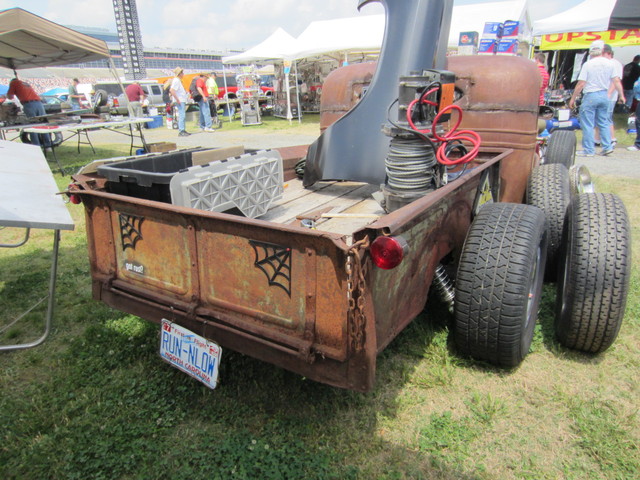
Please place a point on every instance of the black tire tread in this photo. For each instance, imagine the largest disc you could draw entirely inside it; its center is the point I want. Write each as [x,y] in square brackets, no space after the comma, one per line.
[549,188]
[561,148]
[492,283]
[598,272]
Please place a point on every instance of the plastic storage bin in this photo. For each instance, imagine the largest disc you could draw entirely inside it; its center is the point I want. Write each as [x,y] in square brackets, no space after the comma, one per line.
[249,183]
[198,178]
[147,176]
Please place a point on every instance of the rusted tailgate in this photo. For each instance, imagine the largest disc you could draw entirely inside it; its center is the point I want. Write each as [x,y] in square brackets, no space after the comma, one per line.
[278,293]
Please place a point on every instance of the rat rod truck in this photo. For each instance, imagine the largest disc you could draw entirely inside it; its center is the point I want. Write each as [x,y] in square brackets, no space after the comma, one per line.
[395,200]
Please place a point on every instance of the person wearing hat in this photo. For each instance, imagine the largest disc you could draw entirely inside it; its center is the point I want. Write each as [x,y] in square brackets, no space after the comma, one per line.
[594,79]
[179,95]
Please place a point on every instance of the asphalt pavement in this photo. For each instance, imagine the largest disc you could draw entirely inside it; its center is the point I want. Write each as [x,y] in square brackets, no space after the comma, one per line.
[251,137]
[621,163]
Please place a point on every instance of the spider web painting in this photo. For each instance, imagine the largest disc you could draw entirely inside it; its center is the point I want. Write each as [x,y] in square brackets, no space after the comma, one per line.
[130,230]
[275,262]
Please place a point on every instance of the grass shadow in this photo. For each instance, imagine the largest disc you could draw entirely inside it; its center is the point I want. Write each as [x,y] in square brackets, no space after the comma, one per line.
[96,401]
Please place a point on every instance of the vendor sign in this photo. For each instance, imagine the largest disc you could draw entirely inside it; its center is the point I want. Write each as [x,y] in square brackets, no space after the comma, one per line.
[582,40]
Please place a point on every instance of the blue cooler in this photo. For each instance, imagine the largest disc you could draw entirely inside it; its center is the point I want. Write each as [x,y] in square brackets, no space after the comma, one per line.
[157,122]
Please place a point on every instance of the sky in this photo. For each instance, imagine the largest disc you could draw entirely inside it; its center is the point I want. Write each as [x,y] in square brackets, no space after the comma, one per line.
[222,25]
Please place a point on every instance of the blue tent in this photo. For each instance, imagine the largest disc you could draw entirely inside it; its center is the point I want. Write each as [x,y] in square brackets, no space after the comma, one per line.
[57,91]
[4,89]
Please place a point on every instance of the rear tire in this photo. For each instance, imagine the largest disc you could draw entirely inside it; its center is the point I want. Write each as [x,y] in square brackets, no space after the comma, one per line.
[594,277]
[499,283]
[561,148]
[548,188]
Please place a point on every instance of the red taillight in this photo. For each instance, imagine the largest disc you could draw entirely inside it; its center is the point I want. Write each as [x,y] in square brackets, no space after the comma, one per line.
[73,197]
[388,252]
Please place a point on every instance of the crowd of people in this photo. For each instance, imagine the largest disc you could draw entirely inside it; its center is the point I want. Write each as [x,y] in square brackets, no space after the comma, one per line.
[42,85]
[600,82]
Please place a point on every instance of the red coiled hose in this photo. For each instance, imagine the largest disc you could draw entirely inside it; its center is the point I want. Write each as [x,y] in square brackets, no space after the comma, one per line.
[468,136]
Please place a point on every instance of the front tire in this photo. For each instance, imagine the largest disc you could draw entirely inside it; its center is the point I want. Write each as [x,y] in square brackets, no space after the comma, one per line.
[594,278]
[499,283]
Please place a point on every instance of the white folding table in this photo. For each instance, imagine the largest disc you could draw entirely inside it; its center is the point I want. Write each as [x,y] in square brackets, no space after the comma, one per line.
[29,199]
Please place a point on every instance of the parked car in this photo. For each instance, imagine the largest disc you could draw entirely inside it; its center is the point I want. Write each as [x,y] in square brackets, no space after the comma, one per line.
[54,104]
[231,89]
[110,94]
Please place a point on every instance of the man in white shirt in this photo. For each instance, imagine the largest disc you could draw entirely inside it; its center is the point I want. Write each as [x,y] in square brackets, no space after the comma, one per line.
[179,95]
[607,52]
[595,78]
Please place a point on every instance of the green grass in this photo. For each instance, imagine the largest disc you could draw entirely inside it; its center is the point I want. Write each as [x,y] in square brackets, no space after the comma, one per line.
[95,400]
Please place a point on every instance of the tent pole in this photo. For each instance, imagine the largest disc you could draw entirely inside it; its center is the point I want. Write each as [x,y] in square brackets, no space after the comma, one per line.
[295,68]
[288,94]
[226,93]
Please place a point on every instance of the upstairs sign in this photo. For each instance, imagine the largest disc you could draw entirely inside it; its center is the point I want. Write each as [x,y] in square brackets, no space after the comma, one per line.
[582,40]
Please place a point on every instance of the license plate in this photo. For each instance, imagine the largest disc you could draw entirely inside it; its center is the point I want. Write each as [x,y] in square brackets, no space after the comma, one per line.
[191,353]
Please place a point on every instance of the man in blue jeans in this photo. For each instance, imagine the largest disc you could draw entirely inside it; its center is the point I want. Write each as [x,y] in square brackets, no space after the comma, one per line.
[32,107]
[596,76]
[179,95]
[203,104]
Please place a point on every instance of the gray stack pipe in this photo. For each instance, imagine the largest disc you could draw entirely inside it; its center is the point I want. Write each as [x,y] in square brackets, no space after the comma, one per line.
[354,148]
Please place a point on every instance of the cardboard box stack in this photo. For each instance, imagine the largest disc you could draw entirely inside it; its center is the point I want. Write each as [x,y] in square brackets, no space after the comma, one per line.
[490,36]
[499,38]
[508,44]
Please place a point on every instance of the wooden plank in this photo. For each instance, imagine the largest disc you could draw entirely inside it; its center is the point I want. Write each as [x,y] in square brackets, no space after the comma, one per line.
[346,225]
[287,212]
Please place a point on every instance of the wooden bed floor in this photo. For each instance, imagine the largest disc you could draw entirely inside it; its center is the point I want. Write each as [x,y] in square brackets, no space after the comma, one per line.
[337,207]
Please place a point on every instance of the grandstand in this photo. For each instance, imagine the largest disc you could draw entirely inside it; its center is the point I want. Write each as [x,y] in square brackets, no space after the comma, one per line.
[159,61]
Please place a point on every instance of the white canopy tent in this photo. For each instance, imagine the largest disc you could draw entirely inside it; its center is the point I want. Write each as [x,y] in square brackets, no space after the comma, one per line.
[277,46]
[365,33]
[583,24]
[353,34]
[591,16]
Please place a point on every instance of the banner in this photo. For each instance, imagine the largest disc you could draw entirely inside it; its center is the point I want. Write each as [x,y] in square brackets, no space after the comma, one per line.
[579,40]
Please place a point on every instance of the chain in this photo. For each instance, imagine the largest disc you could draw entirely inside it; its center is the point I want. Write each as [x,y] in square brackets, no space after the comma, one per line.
[355,269]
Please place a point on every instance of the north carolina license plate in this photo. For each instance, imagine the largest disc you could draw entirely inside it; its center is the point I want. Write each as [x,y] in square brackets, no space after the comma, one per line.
[190,353]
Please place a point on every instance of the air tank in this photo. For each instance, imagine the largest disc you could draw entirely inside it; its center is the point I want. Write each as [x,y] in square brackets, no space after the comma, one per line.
[500,102]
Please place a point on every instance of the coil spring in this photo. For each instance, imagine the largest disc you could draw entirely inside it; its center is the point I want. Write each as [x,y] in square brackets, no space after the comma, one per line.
[410,165]
[444,286]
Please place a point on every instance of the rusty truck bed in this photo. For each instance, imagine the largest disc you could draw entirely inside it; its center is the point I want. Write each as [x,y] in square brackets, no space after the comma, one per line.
[306,299]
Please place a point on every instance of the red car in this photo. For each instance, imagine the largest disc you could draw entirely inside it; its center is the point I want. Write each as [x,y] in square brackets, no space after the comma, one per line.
[231,89]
